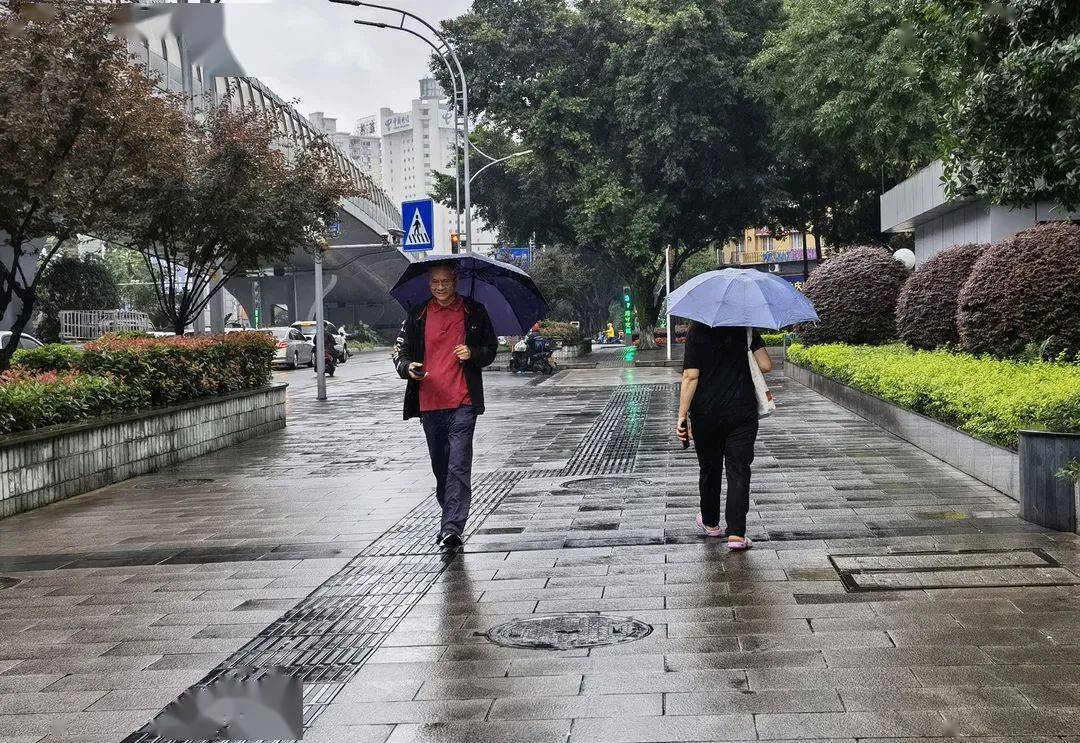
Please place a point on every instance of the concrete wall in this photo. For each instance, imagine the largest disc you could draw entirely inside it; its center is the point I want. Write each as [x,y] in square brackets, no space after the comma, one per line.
[51,464]
[994,465]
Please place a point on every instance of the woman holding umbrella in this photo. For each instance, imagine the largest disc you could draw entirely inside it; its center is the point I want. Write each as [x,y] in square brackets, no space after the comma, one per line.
[718,402]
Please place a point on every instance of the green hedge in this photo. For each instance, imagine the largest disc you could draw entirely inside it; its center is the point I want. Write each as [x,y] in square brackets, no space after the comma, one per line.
[985,397]
[775,339]
[61,384]
[29,400]
[561,331]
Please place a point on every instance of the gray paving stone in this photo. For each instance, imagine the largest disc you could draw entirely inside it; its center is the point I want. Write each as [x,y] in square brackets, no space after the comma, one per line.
[663,729]
[616,706]
[519,731]
[754,702]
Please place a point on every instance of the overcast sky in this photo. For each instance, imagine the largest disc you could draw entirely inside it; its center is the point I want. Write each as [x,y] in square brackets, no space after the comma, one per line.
[312,51]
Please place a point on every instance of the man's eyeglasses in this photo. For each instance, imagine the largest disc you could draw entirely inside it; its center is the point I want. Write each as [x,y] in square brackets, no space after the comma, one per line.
[443,282]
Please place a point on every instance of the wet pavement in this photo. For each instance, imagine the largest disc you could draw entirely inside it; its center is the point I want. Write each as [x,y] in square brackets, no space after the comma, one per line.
[888,596]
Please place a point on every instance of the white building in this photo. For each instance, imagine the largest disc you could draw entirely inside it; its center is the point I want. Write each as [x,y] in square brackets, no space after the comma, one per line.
[414,145]
[919,205]
[365,147]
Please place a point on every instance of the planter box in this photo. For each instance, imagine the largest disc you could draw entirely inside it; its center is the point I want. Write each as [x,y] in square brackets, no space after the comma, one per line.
[1045,499]
[994,465]
[564,353]
[50,464]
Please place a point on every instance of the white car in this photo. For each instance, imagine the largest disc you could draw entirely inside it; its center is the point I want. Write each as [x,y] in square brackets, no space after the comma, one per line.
[26,342]
[307,327]
[293,349]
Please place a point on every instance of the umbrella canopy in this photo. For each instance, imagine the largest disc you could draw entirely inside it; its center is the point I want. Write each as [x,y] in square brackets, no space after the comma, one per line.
[509,294]
[741,297]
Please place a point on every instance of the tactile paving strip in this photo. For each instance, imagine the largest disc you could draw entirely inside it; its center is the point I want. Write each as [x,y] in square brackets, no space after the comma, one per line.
[328,635]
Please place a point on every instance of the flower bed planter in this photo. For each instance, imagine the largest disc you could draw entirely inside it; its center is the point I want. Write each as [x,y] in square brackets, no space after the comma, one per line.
[1045,498]
[49,464]
[994,465]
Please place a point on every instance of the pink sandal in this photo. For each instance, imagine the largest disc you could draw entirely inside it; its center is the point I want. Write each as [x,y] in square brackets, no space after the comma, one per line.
[740,544]
[707,531]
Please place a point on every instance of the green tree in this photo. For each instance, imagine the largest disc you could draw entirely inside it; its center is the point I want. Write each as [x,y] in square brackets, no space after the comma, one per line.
[1011,129]
[228,202]
[78,122]
[134,283]
[848,116]
[576,284]
[71,283]
[640,116]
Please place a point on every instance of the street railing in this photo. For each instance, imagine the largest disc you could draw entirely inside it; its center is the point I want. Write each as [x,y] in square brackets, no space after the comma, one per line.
[86,325]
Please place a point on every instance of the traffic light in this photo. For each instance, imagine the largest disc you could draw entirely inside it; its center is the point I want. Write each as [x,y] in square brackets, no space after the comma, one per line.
[455,242]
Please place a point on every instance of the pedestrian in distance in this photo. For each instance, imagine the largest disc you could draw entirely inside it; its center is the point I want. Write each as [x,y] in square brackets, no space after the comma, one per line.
[718,411]
[442,348]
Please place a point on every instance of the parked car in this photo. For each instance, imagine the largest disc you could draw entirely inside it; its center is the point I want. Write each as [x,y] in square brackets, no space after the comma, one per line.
[307,327]
[293,349]
[26,342]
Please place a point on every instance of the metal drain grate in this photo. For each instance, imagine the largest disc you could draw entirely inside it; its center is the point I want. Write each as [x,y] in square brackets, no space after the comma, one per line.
[568,632]
[908,571]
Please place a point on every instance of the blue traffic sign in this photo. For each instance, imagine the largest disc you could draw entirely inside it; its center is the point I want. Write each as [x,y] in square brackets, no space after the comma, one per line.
[335,229]
[520,257]
[418,225]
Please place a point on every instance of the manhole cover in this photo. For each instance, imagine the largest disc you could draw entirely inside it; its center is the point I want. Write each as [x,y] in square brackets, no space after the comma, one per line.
[604,485]
[568,632]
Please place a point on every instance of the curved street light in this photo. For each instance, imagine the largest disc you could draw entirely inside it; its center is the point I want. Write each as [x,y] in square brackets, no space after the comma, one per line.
[449,51]
[496,162]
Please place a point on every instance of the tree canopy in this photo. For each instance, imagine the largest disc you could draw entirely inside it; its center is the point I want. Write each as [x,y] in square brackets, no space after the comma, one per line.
[641,118]
[228,202]
[78,123]
[1011,129]
[847,115]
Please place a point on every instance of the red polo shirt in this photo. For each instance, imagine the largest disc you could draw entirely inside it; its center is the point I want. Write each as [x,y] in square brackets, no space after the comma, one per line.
[444,386]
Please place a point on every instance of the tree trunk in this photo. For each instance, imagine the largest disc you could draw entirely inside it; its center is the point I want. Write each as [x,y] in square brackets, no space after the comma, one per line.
[648,311]
[28,295]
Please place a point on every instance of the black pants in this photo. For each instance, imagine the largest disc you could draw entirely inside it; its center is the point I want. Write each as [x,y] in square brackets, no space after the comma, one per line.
[450,443]
[729,443]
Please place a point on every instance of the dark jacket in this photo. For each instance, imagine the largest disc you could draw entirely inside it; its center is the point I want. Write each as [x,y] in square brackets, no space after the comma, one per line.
[479,337]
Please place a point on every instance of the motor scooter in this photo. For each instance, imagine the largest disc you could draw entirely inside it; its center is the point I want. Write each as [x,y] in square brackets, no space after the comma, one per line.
[533,353]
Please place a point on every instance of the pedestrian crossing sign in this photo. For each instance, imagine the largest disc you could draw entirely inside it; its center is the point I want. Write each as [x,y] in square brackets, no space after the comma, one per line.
[418,225]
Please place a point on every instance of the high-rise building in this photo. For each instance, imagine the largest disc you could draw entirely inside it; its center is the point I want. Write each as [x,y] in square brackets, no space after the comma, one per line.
[417,143]
[365,147]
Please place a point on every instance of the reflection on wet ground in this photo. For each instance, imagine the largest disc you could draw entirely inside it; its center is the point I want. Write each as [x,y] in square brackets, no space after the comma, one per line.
[860,614]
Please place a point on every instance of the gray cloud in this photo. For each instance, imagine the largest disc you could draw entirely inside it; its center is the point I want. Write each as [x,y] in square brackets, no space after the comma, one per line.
[312,51]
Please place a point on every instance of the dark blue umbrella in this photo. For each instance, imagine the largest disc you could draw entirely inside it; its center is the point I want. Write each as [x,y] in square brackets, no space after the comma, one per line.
[508,293]
[741,297]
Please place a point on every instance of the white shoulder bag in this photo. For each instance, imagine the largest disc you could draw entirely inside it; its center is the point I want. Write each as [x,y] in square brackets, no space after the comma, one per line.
[766,405]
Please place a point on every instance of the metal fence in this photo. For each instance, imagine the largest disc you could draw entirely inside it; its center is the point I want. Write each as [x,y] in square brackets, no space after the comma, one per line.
[86,325]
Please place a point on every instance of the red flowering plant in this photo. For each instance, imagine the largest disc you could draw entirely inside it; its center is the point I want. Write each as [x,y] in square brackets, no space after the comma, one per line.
[30,399]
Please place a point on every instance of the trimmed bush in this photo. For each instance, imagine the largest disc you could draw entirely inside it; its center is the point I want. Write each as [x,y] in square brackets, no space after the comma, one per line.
[1025,290]
[926,309]
[987,398]
[139,371]
[560,331]
[855,296]
[33,400]
[70,283]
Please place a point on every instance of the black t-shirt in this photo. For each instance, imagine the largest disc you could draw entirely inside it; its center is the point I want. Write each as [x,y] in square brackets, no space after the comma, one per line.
[725,388]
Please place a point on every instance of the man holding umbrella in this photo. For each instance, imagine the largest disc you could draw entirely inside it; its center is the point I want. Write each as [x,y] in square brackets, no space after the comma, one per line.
[441,350]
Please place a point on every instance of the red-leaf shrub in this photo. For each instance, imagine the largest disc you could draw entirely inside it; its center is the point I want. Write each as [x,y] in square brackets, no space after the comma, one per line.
[33,400]
[169,370]
[1025,289]
[855,296]
[926,310]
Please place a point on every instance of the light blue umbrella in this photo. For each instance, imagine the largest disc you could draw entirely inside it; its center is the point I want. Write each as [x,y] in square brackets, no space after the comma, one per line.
[741,297]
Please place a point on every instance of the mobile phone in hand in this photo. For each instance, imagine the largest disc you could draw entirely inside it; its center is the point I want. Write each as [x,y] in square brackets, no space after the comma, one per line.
[685,439]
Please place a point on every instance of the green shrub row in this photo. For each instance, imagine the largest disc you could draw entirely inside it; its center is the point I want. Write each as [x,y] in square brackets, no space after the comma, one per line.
[61,384]
[29,400]
[774,339]
[985,397]
[561,331]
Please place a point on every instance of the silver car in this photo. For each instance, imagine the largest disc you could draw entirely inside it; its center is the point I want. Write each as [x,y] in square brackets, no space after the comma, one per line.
[26,342]
[293,349]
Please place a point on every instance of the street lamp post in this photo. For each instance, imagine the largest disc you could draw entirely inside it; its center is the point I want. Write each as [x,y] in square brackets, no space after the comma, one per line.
[464,92]
[320,340]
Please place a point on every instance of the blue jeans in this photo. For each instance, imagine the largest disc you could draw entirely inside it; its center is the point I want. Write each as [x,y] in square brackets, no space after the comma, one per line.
[450,443]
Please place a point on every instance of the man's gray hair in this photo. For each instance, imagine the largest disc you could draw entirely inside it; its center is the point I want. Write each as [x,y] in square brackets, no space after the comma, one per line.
[450,266]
